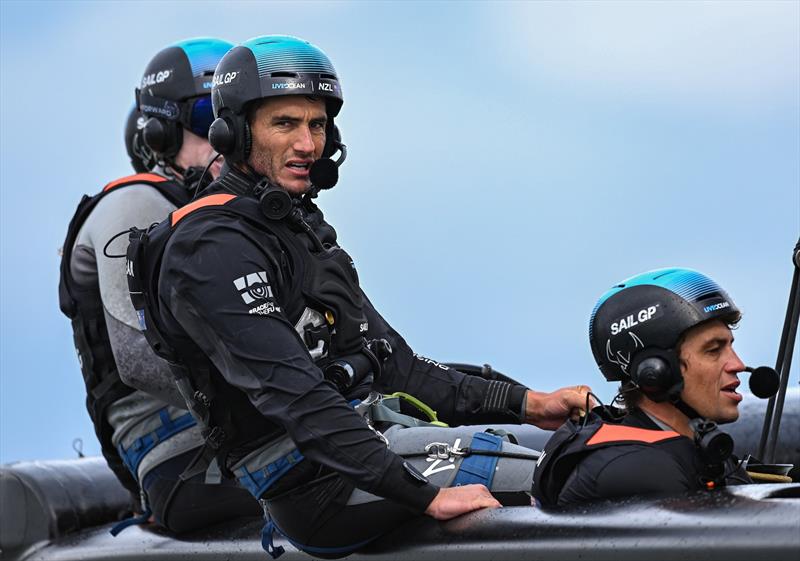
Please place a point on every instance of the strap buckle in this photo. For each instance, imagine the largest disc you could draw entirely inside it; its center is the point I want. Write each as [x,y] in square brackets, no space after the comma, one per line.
[443,451]
[215,438]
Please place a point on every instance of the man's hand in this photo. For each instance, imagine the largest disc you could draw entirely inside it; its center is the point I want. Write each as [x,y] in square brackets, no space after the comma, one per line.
[455,501]
[550,410]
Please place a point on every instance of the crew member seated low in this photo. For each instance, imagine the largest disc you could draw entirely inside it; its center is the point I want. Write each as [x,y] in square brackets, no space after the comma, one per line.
[665,335]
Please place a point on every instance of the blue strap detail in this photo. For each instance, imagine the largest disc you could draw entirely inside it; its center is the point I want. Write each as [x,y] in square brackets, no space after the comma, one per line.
[478,468]
[259,481]
[346,550]
[132,457]
[132,521]
[266,540]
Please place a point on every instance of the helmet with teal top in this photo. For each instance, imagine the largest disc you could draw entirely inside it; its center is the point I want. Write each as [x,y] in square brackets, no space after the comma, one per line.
[263,67]
[636,325]
[174,93]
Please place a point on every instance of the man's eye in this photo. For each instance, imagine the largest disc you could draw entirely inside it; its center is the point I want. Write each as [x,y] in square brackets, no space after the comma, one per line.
[318,126]
[714,350]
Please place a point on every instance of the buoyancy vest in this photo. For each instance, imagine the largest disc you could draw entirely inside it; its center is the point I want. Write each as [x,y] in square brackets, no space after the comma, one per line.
[84,307]
[575,440]
[319,276]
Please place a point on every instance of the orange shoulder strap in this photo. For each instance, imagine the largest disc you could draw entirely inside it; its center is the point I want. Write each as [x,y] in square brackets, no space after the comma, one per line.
[138,178]
[211,200]
[620,433]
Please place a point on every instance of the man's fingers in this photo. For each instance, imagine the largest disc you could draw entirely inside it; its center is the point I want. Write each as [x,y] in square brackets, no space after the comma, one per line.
[578,397]
[485,500]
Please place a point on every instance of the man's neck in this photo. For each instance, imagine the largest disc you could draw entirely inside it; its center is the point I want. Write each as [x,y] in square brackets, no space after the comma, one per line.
[668,414]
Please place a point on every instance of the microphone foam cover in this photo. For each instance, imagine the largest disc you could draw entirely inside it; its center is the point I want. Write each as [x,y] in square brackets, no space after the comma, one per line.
[324,173]
[764,382]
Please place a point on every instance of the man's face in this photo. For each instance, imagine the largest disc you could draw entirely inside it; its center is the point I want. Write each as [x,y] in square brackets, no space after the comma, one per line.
[288,135]
[710,367]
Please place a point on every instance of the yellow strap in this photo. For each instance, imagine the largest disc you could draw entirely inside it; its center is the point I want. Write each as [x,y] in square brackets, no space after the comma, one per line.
[425,409]
[769,477]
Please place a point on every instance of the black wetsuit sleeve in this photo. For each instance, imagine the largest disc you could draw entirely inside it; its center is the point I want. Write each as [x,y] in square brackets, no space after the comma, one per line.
[624,471]
[222,284]
[457,398]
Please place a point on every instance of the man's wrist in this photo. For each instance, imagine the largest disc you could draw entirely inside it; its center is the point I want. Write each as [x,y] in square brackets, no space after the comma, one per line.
[533,407]
[404,484]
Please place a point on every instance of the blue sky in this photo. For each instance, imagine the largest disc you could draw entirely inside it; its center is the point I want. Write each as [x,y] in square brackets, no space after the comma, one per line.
[508,163]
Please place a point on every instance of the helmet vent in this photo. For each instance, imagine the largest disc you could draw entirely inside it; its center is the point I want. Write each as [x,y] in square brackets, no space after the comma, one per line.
[284,75]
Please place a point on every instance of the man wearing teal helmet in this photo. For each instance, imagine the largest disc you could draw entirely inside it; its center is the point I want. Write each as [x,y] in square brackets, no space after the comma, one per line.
[666,336]
[146,434]
[248,289]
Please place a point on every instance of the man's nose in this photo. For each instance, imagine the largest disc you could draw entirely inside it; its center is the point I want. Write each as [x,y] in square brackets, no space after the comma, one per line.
[735,364]
[304,141]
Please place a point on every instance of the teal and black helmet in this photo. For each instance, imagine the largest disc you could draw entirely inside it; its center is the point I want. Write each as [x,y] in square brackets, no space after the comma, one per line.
[268,66]
[174,93]
[644,317]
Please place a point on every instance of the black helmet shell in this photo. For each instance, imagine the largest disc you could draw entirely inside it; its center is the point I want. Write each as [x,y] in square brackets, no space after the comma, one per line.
[274,65]
[651,311]
[175,86]
[184,70]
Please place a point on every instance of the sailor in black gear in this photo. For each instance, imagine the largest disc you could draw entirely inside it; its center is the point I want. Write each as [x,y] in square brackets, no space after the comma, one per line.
[146,434]
[277,348]
[666,336]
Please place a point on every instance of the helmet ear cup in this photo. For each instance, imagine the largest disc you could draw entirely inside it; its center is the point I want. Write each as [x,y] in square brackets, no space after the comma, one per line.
[332,140]
[230,136]
[221,136]
[657,373]
[162,137]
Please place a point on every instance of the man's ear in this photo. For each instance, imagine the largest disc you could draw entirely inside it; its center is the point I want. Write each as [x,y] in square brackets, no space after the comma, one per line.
[684,364]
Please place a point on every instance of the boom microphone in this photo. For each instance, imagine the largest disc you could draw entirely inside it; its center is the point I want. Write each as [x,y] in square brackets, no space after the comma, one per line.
[764,381]
[324,173]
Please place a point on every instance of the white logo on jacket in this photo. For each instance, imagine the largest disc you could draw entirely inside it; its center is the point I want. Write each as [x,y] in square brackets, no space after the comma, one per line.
[254,286]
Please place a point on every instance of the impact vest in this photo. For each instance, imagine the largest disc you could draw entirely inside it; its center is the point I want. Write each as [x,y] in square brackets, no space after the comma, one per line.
[319,276]
[84,307]
[574,441]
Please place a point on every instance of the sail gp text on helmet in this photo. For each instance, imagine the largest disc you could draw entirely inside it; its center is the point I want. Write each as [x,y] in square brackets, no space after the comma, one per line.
[226,78]
[156,78]
[641,316]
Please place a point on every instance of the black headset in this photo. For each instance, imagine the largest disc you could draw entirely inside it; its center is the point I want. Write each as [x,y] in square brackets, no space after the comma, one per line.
[657,373]
[162,136]
[230,135]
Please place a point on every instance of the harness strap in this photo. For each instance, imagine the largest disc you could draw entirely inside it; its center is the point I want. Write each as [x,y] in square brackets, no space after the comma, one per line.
[477,468]
[133,455]
[132,521]
[259,481]
[267,532]
[387,410]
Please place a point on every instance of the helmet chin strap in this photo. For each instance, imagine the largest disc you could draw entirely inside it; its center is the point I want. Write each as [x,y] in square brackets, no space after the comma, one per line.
[685,408]
[714,445]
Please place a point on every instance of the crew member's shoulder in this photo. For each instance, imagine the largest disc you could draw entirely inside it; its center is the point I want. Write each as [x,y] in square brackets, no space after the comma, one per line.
[132,196]
[625,470]
[214,218]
